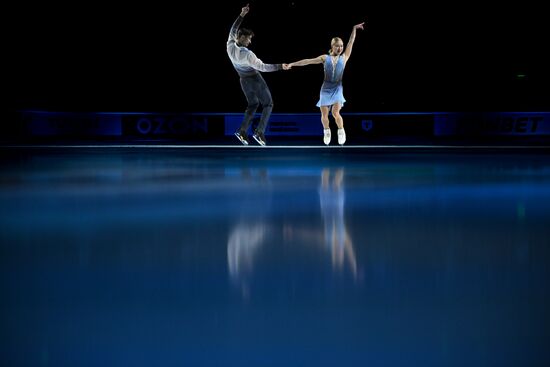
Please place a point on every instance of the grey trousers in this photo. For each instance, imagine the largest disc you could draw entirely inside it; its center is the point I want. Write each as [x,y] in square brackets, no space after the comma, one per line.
[257,93]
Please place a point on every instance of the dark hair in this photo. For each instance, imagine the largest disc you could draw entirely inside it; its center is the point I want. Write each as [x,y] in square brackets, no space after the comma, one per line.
[245,32]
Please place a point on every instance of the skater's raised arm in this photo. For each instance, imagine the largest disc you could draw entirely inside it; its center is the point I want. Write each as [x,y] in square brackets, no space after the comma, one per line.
[351,40]
[236,25]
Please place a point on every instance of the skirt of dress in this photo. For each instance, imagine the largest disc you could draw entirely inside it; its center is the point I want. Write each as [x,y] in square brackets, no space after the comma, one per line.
[331,93]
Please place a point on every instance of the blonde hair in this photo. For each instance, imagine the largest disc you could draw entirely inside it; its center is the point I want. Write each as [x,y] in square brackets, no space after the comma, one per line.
[333,41]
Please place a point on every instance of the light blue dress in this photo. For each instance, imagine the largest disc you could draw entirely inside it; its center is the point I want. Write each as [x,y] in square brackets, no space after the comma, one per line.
[332,90]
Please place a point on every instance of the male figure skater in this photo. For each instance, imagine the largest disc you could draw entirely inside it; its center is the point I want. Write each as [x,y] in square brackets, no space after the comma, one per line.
[254,87]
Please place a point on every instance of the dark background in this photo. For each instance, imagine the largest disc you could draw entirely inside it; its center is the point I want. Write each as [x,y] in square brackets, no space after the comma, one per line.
[170,57]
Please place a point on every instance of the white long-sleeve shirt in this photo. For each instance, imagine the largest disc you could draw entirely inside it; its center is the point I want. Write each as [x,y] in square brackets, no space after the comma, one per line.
[245,61]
